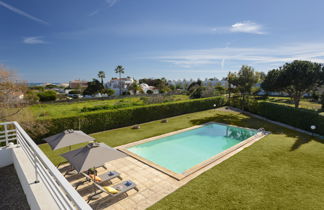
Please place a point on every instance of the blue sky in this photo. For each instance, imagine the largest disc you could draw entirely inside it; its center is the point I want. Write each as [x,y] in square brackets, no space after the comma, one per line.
[58,41]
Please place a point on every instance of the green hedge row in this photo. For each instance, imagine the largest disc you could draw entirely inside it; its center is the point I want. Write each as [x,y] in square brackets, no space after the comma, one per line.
[299,118]
[108,119]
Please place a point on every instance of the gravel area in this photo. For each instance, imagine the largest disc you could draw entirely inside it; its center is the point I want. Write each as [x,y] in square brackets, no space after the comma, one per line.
[11,193]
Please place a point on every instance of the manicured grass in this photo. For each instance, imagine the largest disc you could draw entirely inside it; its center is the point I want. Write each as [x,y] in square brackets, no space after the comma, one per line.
[126,135]
[304,103]
[282,171]
[73,108]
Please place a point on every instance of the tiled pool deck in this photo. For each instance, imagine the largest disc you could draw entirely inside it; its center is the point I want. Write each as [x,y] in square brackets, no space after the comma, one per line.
[153,185]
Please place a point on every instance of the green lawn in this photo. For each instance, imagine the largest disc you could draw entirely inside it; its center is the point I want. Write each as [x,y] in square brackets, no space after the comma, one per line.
[56,110]
[304,103]
[282,171]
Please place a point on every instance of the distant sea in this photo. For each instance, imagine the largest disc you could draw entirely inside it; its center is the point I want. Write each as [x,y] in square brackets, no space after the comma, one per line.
[31,84]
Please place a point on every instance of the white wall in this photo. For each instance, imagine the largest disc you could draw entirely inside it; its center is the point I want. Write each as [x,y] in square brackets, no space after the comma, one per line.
[5,156]
[37,195]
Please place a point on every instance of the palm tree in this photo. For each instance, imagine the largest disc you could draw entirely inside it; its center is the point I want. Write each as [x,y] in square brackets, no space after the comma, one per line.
[120,70]
[101,75]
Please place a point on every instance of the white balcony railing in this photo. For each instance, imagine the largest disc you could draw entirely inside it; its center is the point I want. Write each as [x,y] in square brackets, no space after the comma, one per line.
[65,196]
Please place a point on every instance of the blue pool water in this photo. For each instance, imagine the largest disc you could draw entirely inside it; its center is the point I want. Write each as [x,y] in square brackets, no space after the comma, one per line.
[182,151]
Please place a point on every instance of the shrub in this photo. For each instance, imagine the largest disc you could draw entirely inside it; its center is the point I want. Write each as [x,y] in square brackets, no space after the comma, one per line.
[322,101]
[101,120]
[208,92]
[297,117]
[108,91]
[31,96]
[196,92]
[106,107]
[149,92]
[47,96]
[126,93]
[75,92]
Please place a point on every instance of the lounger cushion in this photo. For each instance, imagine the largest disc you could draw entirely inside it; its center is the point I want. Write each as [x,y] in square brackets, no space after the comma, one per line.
[111,190]
[96,178]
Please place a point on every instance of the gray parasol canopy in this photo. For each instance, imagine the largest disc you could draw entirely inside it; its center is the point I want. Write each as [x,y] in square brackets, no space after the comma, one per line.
[68,138]
[92,155]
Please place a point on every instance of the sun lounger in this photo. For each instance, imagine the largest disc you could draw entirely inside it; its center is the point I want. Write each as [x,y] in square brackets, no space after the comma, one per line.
[103,178]
[71,169]
[122,188]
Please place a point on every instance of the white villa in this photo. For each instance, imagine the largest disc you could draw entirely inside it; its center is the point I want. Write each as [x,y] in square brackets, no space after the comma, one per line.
[145,87]
[115,84]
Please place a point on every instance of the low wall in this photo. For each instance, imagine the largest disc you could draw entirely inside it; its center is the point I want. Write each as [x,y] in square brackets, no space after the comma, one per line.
[37,195]
[5,156]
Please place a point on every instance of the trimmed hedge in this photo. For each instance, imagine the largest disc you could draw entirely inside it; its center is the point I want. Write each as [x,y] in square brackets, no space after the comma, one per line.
[299,118]
[108,119]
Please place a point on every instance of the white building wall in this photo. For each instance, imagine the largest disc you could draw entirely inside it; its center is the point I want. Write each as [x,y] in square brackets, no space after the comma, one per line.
[5,156]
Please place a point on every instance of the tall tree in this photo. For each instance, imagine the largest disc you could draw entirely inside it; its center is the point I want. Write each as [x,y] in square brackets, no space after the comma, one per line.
[271,81]
[14,98]
[120,70]
[245,79]
[296,79]
[10,91]
[93,88]
[231,77]
[101,76]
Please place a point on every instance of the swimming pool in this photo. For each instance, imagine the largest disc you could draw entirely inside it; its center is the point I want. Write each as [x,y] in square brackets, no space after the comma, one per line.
[179,153]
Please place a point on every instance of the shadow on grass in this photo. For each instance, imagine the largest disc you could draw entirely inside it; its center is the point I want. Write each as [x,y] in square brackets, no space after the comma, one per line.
[281,100]
[299,142]
[242,120]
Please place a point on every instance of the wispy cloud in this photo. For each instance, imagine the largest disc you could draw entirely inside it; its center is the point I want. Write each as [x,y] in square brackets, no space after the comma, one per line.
[167,28]
[247,27]
[94,12]
[109,4]
[241,27]
[22,13]
[34,40]
[254,56]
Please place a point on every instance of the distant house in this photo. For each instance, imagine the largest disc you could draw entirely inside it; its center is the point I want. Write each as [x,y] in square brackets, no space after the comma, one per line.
[65,85]
[18,95]
[182,84]
[145,87]
[76,84]
[116,83]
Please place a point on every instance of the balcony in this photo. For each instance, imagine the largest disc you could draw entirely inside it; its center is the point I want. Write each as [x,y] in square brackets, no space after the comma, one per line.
[42,183]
